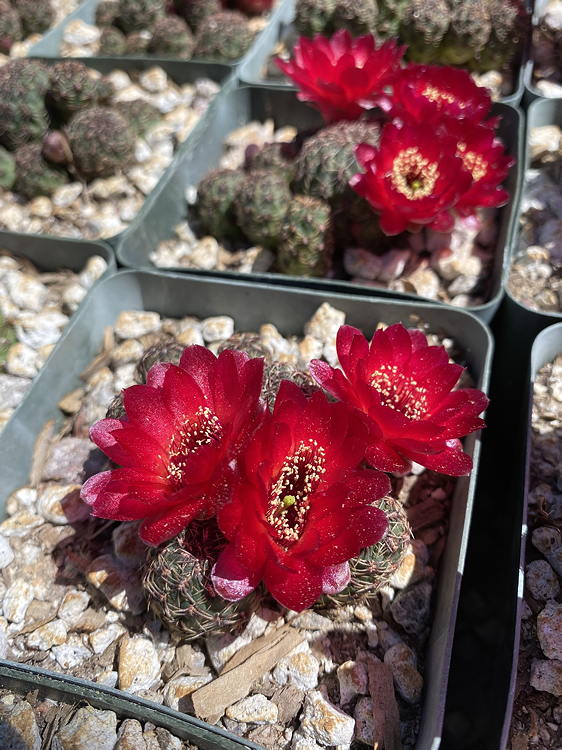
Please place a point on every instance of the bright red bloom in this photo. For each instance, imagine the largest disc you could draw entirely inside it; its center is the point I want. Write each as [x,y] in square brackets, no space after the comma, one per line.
[177,443]
[254,7]
[342,76]
[413,178]
[405,388]
[301,509]
[483,155]
[426,92]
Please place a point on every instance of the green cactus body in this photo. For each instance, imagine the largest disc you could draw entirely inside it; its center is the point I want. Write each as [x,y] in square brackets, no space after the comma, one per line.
[178,587]
[261,206]
[314,17]
[72,87]
[102,142]
[112,42]
[249,343]
[105,91]
[7,169]
[10,27]
[306,241]
[508,32]
[216,194]
[194,12]
[276,372]
[225,36]
[273,156]
[357,16]
[140,114]
[106,12]
[137,43]
[34,175]
[166,350]
[171,37]
[23,116]
[36,15]
[390,16]
[375,566]
[327,160]
[136,15]
[7,338]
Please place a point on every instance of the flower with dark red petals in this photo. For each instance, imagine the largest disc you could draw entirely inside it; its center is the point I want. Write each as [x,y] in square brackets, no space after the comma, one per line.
[177,444]
[405,388]
[342,75]
[413,178]
[483,155]
[301,508]
[425,92]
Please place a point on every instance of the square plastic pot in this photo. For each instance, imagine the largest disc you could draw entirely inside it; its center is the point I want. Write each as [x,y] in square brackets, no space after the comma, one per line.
[547,345]
[253,66]
[167,206]
[50,44]
[249,305]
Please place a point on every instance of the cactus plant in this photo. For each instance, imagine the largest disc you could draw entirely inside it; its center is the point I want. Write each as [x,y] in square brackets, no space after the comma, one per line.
[277,371]
[7,169]
[102,142]
[357,16]
[215,202]
[314,16]
[36,16]
[171,37]
[194,12]
[23,116]
[249,343]
[136,15]
[166,350]
[10,27]
[137,42]
[223,36]
[72,87]
[34,175]
[375,566]
[112,42]
[106,12]
[327,160]
[277,156]
[261,205]
[177,583]
[306,240]
[140,114]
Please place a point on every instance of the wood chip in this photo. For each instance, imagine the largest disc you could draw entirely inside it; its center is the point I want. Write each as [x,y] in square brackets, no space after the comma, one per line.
[235,682]
[40,452]
[424,514]
[386,718]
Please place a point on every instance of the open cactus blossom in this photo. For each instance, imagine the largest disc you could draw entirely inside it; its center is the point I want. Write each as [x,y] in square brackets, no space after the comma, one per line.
[342,76]
[175,448]
[300,508]
[405,388]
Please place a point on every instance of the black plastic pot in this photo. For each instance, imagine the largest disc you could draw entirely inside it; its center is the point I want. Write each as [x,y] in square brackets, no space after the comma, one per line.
[249,305]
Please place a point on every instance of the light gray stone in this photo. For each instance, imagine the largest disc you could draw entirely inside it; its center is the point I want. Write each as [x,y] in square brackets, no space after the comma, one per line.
[88,729]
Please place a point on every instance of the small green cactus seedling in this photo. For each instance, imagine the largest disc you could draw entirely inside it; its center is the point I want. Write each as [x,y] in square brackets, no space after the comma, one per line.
[140,114]
[10,27]
[261,205]
[102,142]
[314,17]
[36,15]
[7,169]
[171,37]
[138,15]
[34,175]
[357,16]
[72,87]
[225,36]
[216,195]
[194,12]
[23,115]
[112,42]
[106,13]
[306,240]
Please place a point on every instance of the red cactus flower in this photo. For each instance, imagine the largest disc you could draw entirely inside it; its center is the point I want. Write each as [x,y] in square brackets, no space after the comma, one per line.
[483,155]
[301,509]
[178,441]
[405,388]
[254,7]
[425,92]
[413,178]
[342,76]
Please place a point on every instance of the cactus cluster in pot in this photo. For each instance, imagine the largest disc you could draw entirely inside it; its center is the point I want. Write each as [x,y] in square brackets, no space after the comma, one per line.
[57,125]
[205,29]
[22,18]
[375,176]
[252,480]
[481,35]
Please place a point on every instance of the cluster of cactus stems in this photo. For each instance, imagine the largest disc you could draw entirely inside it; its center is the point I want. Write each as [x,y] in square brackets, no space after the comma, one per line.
[481,35]
[206,29]
[57,124]
[321,487]
[20,19]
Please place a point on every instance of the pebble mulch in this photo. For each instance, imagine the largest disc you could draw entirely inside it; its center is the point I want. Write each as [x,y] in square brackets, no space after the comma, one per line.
[537,717]
[536,273]
[35,308]
[546,48]
[72,599]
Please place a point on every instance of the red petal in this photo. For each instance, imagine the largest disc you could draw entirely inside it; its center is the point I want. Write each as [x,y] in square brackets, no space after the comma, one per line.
[335,578]
[230,578]
[160,527]
[296,588]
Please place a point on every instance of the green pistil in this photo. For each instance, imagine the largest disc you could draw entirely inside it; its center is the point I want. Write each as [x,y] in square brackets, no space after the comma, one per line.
[288,501]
